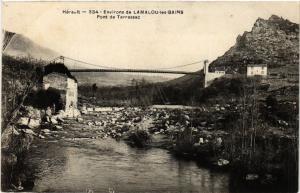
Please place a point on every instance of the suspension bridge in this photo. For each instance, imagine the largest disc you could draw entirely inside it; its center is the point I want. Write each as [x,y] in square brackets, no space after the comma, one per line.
[101,68]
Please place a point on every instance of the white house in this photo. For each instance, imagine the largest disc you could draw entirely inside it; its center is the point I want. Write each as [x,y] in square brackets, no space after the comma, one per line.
[257,70]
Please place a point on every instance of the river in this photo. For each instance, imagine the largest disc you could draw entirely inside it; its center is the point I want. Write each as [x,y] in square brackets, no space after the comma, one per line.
[100,165]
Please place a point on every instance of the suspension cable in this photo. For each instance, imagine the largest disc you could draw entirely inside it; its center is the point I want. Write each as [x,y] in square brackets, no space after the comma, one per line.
[189,64]
[95,65]
[102,66]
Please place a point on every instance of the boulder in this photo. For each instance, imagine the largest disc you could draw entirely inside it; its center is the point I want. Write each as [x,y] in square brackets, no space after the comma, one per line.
[48,119]
[23,121]
[76,113]
[186,117]
[60,119]
[29,131]
[98,123]
[203,123]
[219,141]
[36,114]
[84,112]
[137,119]
[53,120]
[72,113]
[252,176]
[223,162]
[79,119]
[34,123]
[61,114]
[201,140]
[41,136]
[46,130]
[58,127]
[48,111]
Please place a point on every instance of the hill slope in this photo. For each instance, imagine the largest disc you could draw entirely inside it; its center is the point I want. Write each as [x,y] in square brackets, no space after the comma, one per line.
[114,79]
[22,46]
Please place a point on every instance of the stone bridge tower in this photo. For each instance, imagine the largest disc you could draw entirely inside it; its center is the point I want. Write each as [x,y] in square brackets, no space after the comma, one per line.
[209,77]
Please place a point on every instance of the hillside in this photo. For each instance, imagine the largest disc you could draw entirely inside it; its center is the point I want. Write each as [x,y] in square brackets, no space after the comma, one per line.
[114,79]
[21,46]
[274,42]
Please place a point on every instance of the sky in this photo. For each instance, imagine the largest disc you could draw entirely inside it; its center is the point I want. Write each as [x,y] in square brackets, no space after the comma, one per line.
[205,30]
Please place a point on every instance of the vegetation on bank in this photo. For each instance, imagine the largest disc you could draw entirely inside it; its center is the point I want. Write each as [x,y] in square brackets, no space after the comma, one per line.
[145,94]
[263,134]
[19,76]
[139,138]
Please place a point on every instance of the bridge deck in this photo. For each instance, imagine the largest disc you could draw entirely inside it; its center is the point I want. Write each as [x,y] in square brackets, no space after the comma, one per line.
[135,71]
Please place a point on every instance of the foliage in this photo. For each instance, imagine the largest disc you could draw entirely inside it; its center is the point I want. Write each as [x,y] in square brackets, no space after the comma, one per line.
[17,75]
[185,141]
[45,98]
[139,137]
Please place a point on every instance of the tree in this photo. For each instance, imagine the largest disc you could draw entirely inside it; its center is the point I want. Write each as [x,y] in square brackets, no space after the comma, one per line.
[94,89]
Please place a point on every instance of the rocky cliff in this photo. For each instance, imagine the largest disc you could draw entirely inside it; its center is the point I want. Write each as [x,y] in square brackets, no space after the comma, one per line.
[274,42]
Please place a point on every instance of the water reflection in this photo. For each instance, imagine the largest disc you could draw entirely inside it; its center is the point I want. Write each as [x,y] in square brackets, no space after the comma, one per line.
[100,165]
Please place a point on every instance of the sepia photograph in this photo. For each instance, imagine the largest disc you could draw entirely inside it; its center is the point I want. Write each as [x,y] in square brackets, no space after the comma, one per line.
[150,96]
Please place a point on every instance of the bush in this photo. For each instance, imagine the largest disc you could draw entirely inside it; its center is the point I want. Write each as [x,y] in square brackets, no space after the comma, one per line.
[139,138]
[45,98]
[185,141]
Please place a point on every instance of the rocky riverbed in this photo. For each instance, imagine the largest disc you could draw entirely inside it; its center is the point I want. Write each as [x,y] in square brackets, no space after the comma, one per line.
[193,133]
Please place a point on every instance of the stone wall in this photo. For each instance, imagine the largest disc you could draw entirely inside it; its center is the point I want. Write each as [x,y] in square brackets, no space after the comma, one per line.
[66,86]
[55,80]
[71,95]
[211,76]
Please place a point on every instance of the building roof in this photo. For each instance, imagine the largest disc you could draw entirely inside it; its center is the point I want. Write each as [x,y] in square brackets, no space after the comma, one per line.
[58,68]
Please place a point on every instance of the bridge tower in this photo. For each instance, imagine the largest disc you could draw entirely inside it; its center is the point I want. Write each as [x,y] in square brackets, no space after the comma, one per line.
[205,69]
[60,59]
[206,73]
[209,77]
